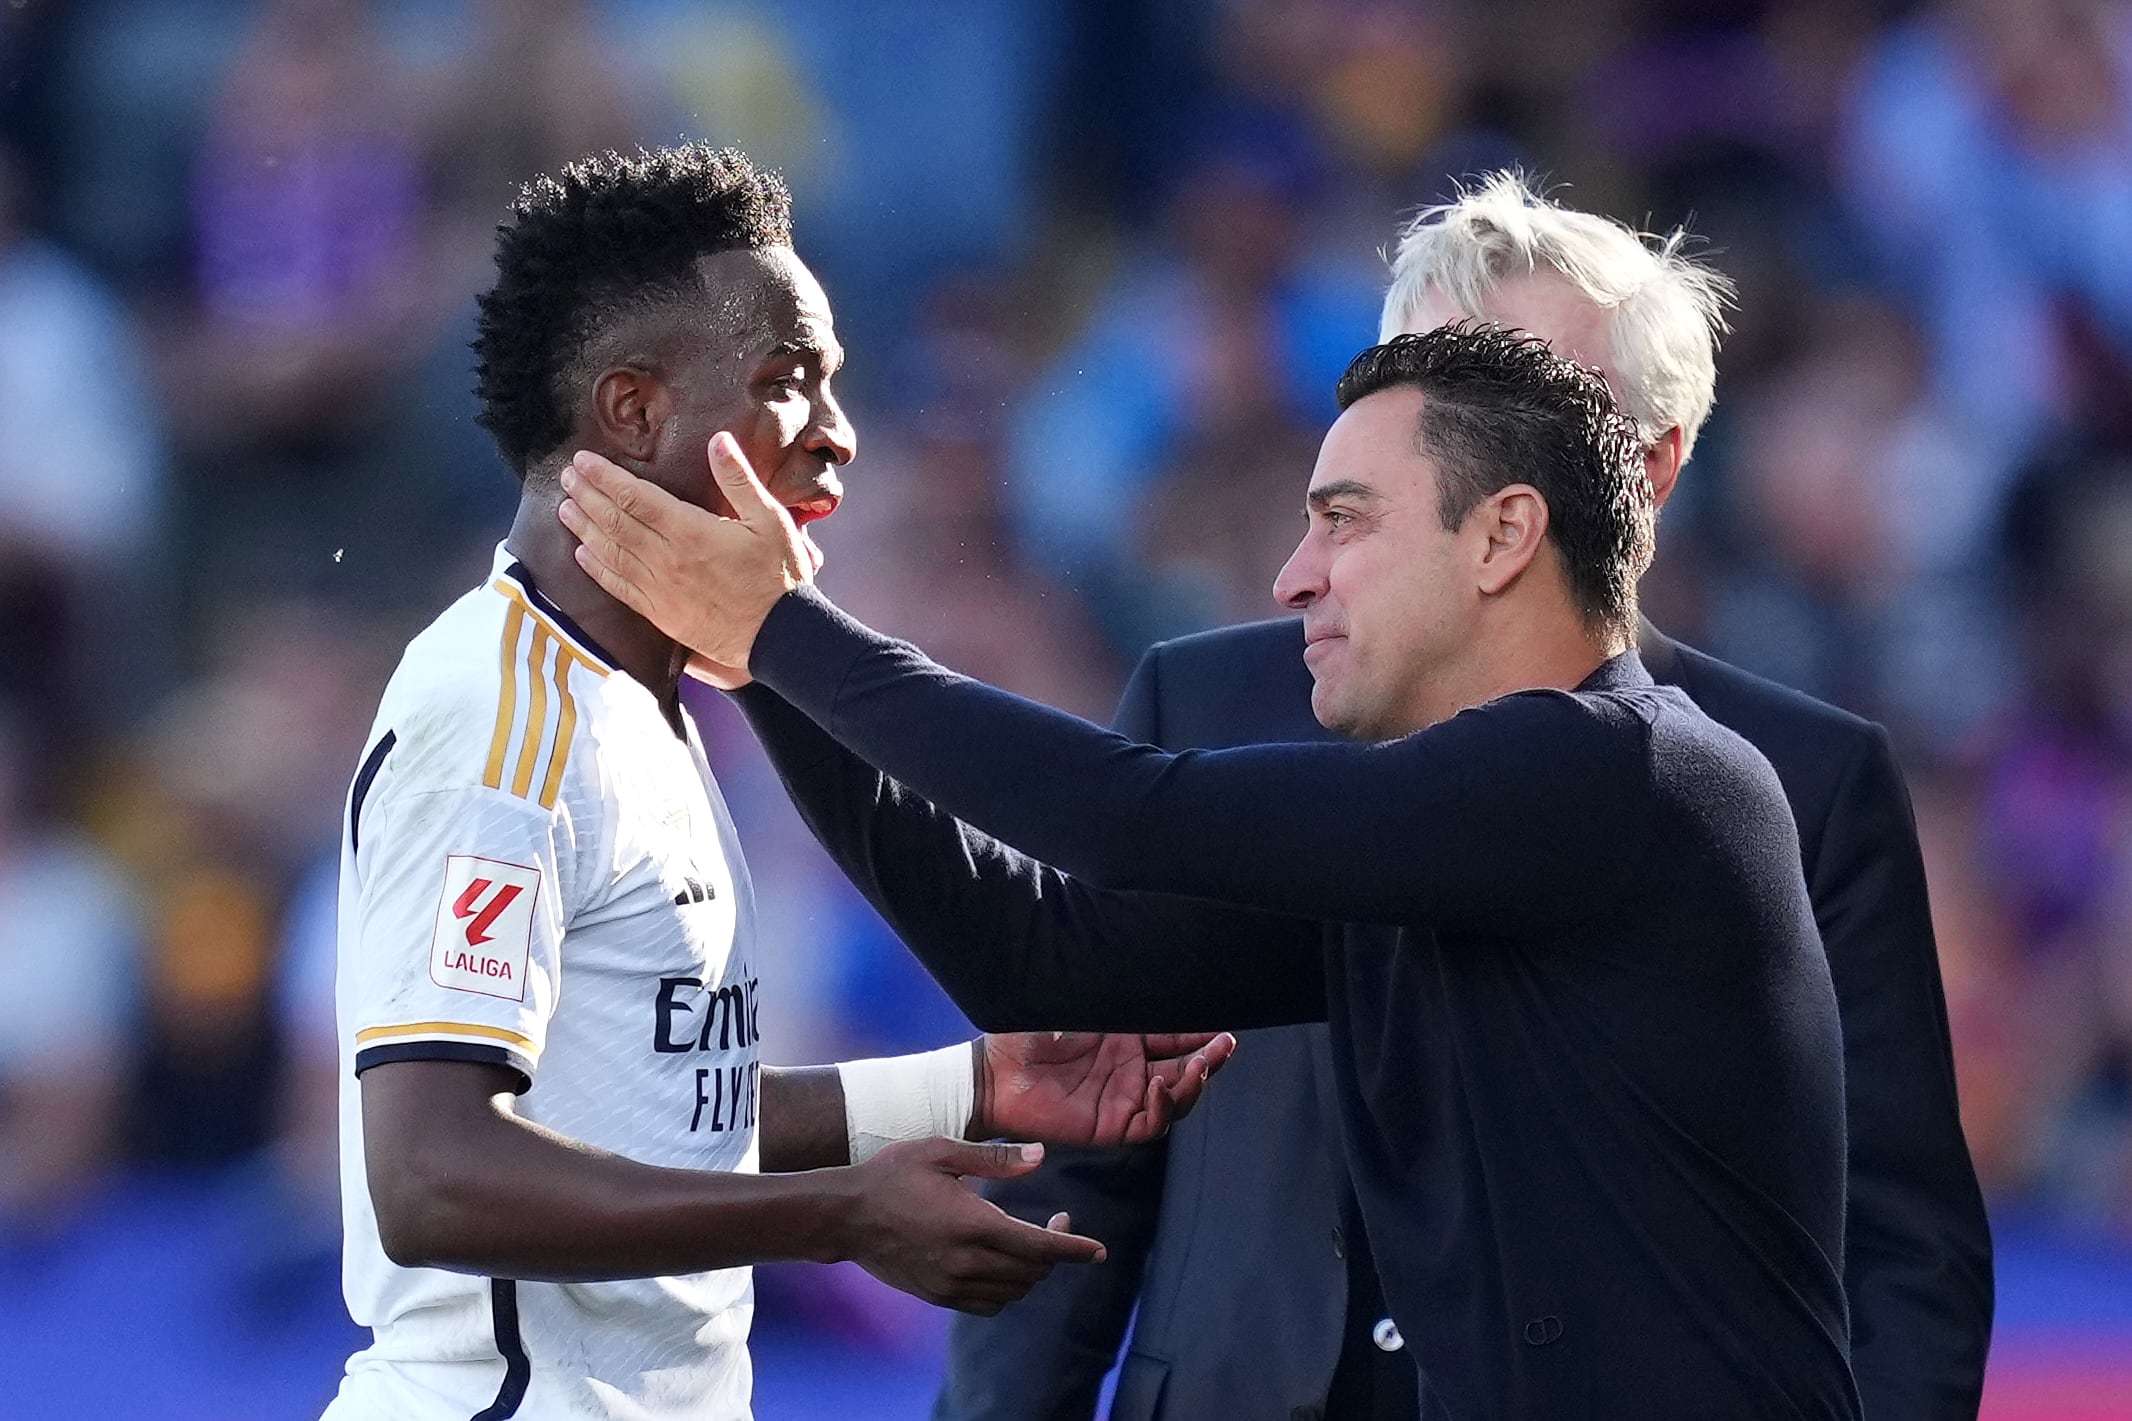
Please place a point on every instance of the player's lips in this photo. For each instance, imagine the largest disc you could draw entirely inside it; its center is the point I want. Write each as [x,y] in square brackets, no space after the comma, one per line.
[1315,639]
[812,498]
[814,510]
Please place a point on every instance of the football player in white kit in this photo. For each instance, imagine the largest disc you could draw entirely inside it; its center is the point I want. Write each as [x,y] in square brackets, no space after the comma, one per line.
[560,1150]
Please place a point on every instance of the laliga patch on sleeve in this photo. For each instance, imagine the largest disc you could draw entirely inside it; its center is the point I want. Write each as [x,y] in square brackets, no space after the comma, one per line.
[484,927]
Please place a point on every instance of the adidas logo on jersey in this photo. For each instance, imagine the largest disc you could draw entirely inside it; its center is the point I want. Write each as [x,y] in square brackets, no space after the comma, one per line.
[694,890]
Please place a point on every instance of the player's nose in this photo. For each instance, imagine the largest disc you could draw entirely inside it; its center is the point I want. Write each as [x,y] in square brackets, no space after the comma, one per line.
[831,434]
[1301,580]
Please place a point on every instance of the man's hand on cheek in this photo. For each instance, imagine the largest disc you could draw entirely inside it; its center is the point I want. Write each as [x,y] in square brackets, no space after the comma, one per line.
[732,678]
[706,581]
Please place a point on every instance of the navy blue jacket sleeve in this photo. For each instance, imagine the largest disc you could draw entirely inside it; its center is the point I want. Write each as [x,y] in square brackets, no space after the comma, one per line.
[1918,1252]
[1018,945]
[1045,1357]
[1523,814]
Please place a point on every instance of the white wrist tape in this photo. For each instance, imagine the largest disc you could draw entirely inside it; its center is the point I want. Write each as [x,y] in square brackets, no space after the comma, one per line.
[907,1098]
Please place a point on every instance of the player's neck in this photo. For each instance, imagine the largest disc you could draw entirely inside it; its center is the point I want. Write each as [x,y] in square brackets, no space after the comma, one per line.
[647,654]
[1548,646]
[1522,648]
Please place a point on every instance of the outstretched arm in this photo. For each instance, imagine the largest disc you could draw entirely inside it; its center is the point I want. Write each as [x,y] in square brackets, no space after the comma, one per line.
[1522,813]
[1019,945]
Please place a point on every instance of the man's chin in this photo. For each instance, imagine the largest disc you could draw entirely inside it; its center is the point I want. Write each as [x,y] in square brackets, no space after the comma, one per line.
[1329,709]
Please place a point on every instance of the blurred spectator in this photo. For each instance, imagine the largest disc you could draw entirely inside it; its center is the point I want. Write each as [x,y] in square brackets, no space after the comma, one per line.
[1864,502]
[311,304]
[29,35]
[1230,328]
[124,113]
[537,87]
[2059,803]
[1378,81]
[904,126]
[932,557]
[307,213]
[81,473]
[230,794]
[1226,514]
[68,975]
[299,1230]
[928,544]
[526,87]
[1990,156]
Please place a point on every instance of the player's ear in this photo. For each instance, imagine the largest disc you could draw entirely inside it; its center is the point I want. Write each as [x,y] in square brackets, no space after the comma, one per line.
[1512,521]
[631,405]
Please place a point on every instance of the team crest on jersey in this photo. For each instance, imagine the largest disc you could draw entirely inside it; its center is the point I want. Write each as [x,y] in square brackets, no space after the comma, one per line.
[484,931]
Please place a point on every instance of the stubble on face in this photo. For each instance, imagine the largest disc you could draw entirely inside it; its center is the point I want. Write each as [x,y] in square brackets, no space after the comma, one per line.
[1388,611]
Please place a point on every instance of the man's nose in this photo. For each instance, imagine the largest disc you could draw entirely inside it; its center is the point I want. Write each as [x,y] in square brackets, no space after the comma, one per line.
[1302,578]
[832,435]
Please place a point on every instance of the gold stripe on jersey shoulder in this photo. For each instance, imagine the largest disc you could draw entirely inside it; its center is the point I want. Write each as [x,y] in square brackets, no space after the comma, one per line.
[536,709]
[533,776]
[517,597]
[507,700]
[565,726]
[370,1034]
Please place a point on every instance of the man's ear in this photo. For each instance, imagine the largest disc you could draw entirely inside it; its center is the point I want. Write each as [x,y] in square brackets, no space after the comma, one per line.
[1513,522]
[631,405]
[1661,464]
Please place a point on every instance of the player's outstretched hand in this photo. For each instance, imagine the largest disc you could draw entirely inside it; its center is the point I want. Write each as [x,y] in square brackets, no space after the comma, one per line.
[916,1227]
[1087,1088]
[704,579]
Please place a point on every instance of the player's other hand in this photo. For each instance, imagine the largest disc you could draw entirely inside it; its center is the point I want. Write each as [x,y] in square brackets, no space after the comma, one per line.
[1088,1088]
[705,579]
[914,1225]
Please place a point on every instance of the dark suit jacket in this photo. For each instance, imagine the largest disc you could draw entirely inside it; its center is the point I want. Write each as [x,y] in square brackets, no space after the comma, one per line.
[1195,1225]
[1196,1228]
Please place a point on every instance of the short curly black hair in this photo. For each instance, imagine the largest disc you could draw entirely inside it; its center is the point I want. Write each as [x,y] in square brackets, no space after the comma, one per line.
[607,235]
[1499,408]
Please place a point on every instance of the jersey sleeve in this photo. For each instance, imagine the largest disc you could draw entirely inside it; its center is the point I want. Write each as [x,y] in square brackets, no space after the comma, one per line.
[452,935]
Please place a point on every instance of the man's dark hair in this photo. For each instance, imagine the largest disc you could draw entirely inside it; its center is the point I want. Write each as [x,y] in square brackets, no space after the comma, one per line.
[1500,408]
[605,237]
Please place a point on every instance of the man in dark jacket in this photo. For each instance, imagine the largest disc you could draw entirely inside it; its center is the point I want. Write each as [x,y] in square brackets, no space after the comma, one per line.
[1187,1219]
[1586,1049]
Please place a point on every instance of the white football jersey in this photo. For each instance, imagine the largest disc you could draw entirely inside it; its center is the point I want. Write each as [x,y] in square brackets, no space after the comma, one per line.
[539,873]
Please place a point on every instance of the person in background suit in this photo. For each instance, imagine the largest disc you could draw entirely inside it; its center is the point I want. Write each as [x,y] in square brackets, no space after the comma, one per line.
[1191,1221]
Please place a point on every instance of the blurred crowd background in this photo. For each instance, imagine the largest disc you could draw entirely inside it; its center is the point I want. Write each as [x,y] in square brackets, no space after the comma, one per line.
[1097,264]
